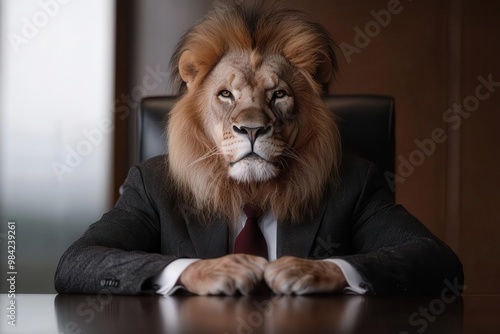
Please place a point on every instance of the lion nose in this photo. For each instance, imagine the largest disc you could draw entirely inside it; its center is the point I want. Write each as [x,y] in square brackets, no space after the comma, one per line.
[252,133]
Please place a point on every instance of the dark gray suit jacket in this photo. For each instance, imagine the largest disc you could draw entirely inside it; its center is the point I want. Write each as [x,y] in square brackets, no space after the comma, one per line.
[357,222]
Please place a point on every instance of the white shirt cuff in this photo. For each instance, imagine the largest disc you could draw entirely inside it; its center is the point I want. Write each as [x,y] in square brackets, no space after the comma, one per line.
[169,276]
[356,283]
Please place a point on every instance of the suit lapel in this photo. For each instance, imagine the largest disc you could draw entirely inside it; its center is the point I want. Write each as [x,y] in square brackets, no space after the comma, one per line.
[298,239]
[209,241]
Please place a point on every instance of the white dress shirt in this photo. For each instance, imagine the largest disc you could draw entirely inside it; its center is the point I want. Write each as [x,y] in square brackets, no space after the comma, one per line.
[168,278]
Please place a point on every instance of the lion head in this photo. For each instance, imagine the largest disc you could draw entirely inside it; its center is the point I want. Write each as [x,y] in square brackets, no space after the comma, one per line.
[250,125]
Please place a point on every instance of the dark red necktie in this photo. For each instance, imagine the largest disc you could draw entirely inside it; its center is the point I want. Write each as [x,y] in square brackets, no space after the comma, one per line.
[251,240]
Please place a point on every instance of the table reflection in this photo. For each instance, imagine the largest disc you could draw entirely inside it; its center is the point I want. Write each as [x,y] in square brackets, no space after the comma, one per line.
[273,314]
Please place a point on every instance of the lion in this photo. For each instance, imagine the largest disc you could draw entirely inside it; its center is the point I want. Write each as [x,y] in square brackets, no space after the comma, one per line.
[251,125]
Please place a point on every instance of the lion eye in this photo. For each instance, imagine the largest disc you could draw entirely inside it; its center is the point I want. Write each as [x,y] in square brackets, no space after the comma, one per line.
[279,94]
[225,94]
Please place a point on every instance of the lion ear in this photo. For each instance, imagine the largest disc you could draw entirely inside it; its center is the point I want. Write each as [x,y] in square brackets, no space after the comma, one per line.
[187,67]
[324,70]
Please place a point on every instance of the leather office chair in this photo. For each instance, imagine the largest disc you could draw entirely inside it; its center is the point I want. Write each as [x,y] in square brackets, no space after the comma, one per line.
[366,126]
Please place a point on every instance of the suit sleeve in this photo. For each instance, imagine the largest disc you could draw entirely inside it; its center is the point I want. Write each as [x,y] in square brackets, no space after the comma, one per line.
[394,252]
[119,253]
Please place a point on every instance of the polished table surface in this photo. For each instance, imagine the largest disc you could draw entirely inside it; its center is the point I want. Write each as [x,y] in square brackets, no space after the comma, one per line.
[264,314]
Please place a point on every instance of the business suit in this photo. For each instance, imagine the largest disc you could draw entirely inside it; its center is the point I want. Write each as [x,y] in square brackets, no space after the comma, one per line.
[357,221]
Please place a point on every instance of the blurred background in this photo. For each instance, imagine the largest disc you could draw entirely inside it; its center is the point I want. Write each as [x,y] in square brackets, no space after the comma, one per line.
[72,73]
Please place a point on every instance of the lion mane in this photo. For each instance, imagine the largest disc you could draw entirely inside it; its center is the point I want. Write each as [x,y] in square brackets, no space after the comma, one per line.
[308,165]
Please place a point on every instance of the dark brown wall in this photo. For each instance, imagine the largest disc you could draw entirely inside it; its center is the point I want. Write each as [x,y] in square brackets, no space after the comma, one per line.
[479,155]
[428,57]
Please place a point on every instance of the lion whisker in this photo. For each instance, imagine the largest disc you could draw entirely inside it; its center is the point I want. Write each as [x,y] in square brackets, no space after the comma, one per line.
[213,151]
[290,152]
[283,163]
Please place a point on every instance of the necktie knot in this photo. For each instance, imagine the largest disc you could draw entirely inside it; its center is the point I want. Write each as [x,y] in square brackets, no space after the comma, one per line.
[251,211]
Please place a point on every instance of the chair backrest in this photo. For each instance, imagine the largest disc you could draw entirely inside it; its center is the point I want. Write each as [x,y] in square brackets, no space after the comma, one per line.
[366,126]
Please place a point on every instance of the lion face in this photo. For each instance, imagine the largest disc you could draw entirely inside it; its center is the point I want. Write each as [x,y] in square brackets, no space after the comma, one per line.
[251,115]
[250,125]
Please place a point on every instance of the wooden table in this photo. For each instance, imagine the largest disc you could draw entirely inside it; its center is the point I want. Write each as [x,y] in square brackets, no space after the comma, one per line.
[104,313]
